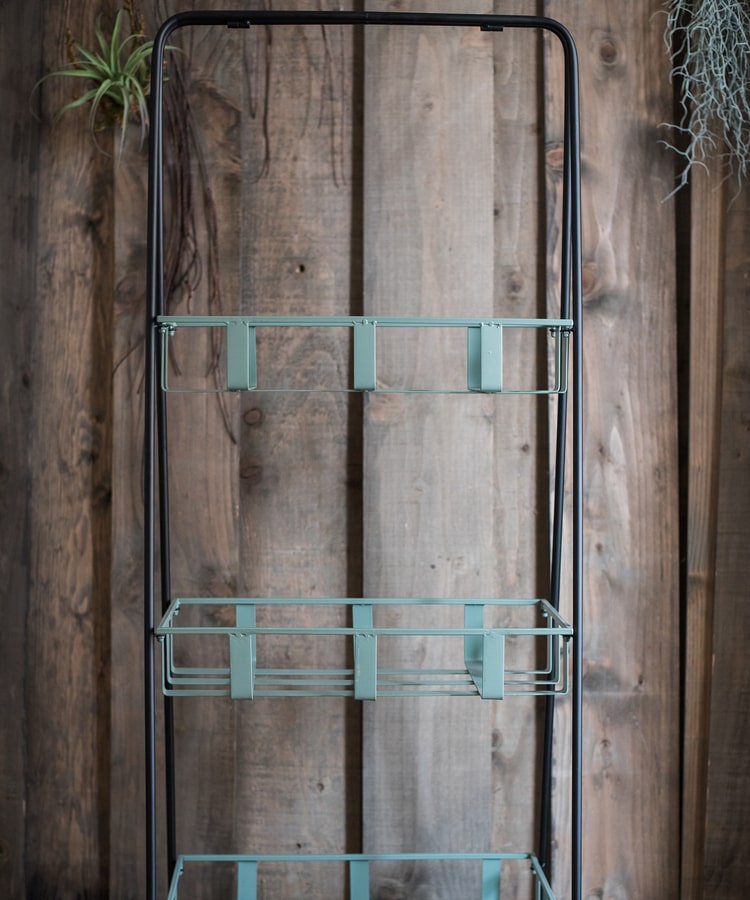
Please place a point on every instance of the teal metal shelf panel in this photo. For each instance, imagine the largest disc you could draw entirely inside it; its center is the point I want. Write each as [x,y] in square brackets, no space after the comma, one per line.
[535,664]
[358,865]
[485,351]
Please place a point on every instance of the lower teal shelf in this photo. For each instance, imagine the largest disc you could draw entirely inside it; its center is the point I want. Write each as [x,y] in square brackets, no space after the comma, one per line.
[212,647]
[492,866]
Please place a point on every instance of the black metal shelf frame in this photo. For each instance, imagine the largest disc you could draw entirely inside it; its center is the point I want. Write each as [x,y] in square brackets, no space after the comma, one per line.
[156,501]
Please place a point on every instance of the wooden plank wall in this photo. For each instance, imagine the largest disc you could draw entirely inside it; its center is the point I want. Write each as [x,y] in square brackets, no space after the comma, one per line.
[708,201]
[631,699]
[204,499]
[428,521]
[520,505]
[18,155]
[127,769]
[727,821]
[298,761]
[281,491]
[284,124]
[67,609]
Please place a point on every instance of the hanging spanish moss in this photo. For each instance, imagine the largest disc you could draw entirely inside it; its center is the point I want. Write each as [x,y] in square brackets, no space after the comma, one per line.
[709,45]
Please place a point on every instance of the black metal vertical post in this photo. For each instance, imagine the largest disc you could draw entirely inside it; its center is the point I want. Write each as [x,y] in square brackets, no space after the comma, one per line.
[545,815]
[148,650]
[164,545]
[573,183]
[570,294]
[149,560]
[156,419]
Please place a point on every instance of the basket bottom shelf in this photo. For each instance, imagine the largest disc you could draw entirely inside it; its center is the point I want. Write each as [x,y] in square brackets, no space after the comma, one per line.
[358,866]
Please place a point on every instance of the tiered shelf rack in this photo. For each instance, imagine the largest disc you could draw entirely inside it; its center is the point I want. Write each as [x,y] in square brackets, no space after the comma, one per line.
[488,664]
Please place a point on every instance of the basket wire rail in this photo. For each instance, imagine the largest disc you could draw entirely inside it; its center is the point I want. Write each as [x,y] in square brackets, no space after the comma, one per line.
[484,350]
[485,671]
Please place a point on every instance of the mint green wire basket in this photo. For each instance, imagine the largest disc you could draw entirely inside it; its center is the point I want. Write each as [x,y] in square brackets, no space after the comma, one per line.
[538,635]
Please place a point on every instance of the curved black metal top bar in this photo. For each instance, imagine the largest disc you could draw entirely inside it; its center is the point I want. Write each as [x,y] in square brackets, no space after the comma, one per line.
[570,268]
[240,18]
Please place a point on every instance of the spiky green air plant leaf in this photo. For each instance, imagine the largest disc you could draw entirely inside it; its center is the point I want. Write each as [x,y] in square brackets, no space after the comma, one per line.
[709,45]
[120,72]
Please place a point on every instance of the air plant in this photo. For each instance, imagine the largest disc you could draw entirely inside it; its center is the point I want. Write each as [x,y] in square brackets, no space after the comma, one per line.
[120,73]
[709,46]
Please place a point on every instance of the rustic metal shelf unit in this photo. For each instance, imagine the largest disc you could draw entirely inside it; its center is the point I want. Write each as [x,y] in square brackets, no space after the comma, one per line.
[485,665]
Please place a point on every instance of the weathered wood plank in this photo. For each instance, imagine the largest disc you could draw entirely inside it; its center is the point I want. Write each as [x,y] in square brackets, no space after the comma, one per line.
[727,874]
[298,760]
[127,807]
[67,681]
[631,726]
[19,26]
[520,429]
[203,450]
[707,235]
[428,515]
[127,797]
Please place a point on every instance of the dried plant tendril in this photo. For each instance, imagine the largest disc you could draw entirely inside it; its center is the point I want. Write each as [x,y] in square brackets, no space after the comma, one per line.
[709,45]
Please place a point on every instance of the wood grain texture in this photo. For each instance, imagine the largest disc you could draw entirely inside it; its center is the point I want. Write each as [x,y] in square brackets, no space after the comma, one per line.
[281,510]
[214,536]
[127,797]
[428,510]
[297,760]
[631,699]
[708,222]
[203,449]
[727,874]
[520,428]
[19,26]
[67,680]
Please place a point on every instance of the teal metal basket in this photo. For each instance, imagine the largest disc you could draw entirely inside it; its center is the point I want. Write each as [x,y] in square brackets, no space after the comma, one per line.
[486,671]
[492,865]
[484,350]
